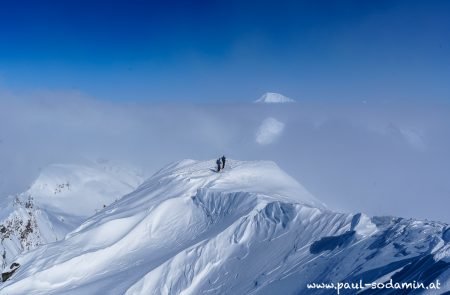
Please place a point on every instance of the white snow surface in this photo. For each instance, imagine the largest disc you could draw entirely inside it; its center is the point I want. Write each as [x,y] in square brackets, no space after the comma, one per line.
[272,97]
[79,190]
[61,198]
[251,229]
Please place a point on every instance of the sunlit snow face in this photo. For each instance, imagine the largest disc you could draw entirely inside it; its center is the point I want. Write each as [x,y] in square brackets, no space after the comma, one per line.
[269,131]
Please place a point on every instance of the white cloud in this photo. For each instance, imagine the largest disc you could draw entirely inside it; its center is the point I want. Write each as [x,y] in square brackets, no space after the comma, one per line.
[343,153]
[269,131]
[414,138]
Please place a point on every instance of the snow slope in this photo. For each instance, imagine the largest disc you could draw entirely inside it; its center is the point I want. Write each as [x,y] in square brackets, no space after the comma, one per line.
[251,229]
[271,97]
[59,200]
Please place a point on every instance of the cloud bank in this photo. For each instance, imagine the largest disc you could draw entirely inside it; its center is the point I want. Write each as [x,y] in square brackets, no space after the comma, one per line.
[382,159]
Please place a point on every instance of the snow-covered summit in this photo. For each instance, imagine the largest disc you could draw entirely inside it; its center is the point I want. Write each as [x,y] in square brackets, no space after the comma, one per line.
[250,229]
[271,97]
[259,177]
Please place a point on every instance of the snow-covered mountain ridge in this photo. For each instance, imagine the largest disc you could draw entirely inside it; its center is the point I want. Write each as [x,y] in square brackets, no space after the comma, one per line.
[251,229]
[58,201]
[272,97]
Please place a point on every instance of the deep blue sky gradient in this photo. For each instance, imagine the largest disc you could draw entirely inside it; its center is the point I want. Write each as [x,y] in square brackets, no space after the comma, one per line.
[228,50]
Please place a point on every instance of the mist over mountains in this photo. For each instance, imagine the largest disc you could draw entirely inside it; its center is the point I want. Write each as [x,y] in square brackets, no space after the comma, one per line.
[373,157]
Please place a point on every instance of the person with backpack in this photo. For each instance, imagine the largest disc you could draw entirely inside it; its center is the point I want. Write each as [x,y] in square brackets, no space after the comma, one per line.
[223,162]
[218,165]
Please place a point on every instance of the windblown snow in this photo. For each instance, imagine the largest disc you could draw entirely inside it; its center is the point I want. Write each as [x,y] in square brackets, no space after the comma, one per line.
[271,97]
[251,229]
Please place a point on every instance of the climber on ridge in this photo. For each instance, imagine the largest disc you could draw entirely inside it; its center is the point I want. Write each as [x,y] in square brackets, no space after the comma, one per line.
[223,162]
[218,165]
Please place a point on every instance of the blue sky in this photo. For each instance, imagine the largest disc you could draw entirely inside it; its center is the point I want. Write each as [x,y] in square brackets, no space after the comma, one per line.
[227,50]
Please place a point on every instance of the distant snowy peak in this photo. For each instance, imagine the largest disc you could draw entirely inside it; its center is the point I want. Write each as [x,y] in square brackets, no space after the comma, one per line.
[271,97]
[80,190]
[58,201]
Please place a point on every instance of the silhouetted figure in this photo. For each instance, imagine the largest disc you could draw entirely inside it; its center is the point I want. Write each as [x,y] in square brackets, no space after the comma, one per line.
[218,165]
[223,162]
